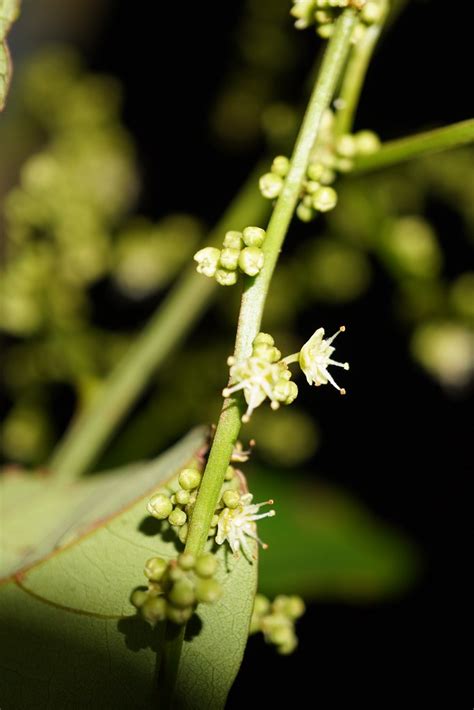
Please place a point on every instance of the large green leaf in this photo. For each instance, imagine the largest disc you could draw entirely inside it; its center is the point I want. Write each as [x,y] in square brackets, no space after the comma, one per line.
[9,10]
[323,544]
[68,633]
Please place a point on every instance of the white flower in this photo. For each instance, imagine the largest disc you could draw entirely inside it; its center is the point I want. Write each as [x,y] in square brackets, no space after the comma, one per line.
[315,358]
[236,524]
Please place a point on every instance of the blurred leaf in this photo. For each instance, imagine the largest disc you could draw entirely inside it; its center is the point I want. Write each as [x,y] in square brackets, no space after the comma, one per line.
[68,633]
[9,10]
[323,544]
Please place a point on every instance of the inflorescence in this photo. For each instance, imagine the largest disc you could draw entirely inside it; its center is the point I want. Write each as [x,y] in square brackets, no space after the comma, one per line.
[241,251]
[324,13]
[276,620]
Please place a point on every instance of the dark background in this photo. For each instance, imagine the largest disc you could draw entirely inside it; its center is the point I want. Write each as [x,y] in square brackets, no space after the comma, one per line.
[399,442]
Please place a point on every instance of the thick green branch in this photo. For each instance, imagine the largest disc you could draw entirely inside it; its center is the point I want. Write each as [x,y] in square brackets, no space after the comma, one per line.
[256,289]
[398,151]
[184,304]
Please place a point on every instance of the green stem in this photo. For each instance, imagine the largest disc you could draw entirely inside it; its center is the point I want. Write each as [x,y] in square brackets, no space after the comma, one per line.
[354,76]
[403,149]
[255,290]
[93,426]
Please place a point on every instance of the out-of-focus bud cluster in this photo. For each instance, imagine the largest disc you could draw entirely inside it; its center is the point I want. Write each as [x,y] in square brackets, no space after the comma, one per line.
[324,13]
[330,155]
[176,587]
[276,620]
[241,252]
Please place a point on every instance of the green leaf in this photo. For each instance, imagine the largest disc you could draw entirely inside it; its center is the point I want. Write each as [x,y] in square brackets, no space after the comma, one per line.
[73,553]
[323,544]
[9,10]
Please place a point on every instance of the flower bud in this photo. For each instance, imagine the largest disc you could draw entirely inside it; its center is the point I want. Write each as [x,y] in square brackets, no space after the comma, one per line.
[346,146]
[270,185]
[154,609]
[189,478]
[178,616]
[155,568]
[208,591]
[182,497]
[261,605]
[251,260]
[285,391]
[138,598]
[183,533]
[315,171]
[263,339]
[206,565]
[229,258]
[177,517]
[281,165]
[367,142]
[231,499]
[159,506]
[225,277]
[233,240]
[229,474]
[304,213]
[254,236]
[207,260]
[186,561]
[325,199]
[182,594]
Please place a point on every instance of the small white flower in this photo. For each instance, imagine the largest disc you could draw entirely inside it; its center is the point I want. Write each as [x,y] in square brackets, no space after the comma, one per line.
[315,358]
[236,524]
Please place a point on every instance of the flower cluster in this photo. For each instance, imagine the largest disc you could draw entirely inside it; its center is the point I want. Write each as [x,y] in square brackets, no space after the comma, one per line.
[277,620]
[324,13]
[240,251]
[261,375]
[177,507]
[329,155]
[175,587]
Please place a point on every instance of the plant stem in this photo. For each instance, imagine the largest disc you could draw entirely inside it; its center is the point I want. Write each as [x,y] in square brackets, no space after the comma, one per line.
[187,300]
[255,289]
[353,80]
[403,149]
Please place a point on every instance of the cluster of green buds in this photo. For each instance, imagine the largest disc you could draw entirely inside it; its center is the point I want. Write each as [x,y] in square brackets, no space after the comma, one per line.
[329,156]
[176,507]
[277,620]
[324,13]
[261,375]
[176,587]
[241,251]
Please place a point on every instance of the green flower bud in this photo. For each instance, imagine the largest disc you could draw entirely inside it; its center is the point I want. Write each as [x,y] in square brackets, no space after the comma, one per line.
[207,260]
[208,591]
[229,258]
[315,171]
[285,391]
[251,260]
[367,142]
[182,497]
[304,213]
[281,165]
[312,186]
[261,605]
[154,609]
[231,499]
[282,635]
[328,176]
[325,31]
[288,646]
[346,146]
[263,339]
[233,240]
[206,565]
[229,474]
[155,589]
[186,561]
[265,352]
[175,573]
[373,12]
[178,616]
[325,199]
[344,165]
[155,568]
[159,506]
[214,520]
[177,517]
[254,236]
[270,185]
[182,594]
[183,533]
[189,478]
[138,598]
[225,277]
[295,607]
